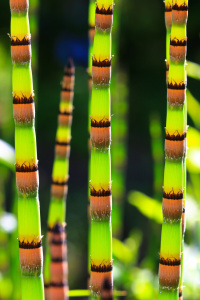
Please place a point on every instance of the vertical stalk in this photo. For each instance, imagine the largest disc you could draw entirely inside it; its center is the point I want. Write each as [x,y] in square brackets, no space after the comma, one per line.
[29,229]
[168,24]
[34,26]
[100,180]
[91,23]
[175,151]
[56,281]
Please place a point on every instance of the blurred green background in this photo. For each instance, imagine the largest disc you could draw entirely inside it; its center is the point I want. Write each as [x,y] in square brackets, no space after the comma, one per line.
[63,33]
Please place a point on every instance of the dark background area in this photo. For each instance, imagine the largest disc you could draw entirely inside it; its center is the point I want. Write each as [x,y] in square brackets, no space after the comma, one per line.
[63,33]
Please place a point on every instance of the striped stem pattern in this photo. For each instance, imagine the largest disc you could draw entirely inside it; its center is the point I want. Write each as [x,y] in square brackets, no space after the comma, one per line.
[168,24]
[100,177]
[91,27]
[56,268]
[30,240]
[175,151]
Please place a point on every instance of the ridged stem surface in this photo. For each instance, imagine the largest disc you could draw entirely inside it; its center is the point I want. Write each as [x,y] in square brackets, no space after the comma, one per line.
[29,229]
[100,176]
[91,30]
[56,268]
[175,154]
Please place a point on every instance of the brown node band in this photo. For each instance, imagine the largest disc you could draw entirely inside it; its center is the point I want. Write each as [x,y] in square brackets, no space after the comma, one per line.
[100,136]
[58,249]
[65,118]
[100,133]
[172,195]
[58,291]
[180,13]
[168,19]
[101,206]
[172,209]
[101,71]
[67,95]
[100,193]
[23,99]
[59,189]
[27,178]
[175,145]
[104,11]
[24,113]
[31,259]
[103,21]
[102,268]
[26,168]
[59,271]
[168,7]
[21,49]
[182,7]
[178,49]
[176,86]
[58,260]
[62,151]
[176,136]
[169,272]
[21,53]
[30,245]
[59,284]
[68,82]
[101,63]
[176,93]
[91,33]
[179,17]
[15,41]
[97,280]
[19,5]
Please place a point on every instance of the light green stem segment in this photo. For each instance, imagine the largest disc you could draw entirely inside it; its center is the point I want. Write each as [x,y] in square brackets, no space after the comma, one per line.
[22,81]
[29,227]
[25,144]
[57,211]
[32,288]
[165,294]
[173,180]
[171,240]
[100,160]
[101,245]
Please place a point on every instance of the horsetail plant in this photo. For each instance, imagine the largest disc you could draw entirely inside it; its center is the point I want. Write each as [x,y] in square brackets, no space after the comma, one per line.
[175,151]
[100,177]
[91,26]
[30,240]
[168,24]
[56,285]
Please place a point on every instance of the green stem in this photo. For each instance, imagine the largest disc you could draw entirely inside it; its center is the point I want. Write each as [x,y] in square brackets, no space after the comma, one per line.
[29,229]
[56,281]
[100,178]
[175,151]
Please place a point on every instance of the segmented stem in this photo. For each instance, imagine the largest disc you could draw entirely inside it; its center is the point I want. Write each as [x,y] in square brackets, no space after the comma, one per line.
[30,241]
[91,31]
[100,191]
[175,151]
[56,269]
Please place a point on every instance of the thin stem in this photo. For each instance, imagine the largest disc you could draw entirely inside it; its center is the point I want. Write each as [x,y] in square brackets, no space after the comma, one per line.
[29,229]
[100,178]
